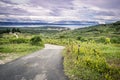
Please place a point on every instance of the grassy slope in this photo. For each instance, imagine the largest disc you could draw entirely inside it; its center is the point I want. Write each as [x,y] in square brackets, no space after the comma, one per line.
[9,49]
[106,30]
[9,52]
[94,61]
[85,63]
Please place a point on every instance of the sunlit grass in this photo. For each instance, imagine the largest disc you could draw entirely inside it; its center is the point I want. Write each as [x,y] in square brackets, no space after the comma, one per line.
[17,49]
[92,61]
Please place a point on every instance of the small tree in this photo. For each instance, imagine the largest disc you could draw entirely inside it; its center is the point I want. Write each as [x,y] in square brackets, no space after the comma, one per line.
[79,38]
[62,36]
[36,40]
[13,30]
[18,30]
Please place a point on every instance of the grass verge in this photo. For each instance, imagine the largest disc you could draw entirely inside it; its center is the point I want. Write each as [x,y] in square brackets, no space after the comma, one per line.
[92,61]
[9,52]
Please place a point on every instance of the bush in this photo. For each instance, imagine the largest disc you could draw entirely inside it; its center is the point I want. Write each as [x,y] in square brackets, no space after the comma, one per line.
[3,41]
[107,40]
[79,38]
[19,40]
[115,40]
[36,40]
[62,36]
[103,40]
[82,39]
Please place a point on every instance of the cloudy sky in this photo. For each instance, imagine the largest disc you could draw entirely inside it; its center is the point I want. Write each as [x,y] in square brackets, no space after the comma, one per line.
[55,10]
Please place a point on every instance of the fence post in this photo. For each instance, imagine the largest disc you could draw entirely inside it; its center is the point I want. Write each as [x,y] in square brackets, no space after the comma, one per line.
[78,48]
[78,51]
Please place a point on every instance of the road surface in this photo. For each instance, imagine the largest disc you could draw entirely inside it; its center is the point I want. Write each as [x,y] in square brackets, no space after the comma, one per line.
[46,64]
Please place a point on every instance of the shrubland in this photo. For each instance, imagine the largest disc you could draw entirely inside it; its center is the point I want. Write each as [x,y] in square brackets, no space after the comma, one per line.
[12,47]
[91,53]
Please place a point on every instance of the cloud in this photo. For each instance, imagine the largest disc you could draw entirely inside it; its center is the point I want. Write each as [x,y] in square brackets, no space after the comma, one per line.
[55,10]
[100,10]
[105,4]
[52,3]
[20,1]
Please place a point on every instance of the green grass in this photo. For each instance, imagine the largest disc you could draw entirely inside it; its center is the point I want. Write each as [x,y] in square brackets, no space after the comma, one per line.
[18,50]
[92,62]
[111,51]
[10,46]
[95,60]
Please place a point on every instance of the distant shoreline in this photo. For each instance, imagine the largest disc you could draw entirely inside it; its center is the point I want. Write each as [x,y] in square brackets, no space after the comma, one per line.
[71,26]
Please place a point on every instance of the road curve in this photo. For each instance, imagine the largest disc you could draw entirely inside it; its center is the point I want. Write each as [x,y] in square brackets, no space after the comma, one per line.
[46,64]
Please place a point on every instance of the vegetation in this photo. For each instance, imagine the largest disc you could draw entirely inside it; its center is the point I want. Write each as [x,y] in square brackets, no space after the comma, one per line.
[36,40]
[97,33]
[92,61]
[12,47]
[94,52]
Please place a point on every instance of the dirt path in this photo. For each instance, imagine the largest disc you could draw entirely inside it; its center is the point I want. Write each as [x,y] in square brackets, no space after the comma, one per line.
[45,64]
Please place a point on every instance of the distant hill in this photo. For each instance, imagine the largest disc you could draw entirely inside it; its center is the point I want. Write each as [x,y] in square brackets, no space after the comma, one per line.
[48,23]
[36,30]
[102,30]
[23,23]
[77,22]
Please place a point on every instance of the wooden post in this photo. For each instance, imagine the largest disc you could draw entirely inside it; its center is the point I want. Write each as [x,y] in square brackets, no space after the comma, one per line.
[78,51]
[78,48]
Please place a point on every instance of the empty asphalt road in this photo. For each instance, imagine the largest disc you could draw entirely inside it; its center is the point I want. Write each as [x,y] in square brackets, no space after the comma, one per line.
[46,64]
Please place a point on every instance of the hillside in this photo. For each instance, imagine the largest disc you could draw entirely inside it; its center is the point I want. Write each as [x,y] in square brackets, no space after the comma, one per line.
[35,30]
[95,32]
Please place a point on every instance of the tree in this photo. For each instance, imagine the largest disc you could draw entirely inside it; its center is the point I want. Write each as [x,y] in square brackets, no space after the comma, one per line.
[7,30]
[18,30]
[79,38]
[36,40]
[62,36]
[13,30]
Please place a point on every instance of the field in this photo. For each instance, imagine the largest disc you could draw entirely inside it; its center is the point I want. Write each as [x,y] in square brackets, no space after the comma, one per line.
[91,53]
[92,61]
[12,47]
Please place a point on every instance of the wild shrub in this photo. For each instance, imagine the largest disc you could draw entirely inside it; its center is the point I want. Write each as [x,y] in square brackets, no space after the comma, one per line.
[89,62]
[3,41]
[36,40]
[104,40]
[62,36]
[101,40]
[79,38]
[115,40]
[82,39]
[19,40]
[107,40]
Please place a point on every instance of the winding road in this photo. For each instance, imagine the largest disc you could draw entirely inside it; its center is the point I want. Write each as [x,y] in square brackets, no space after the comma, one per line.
[46,64]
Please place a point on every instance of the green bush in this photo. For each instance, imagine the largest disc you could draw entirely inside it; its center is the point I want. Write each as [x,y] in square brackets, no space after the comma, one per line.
[19,40]
[115,40]
[103,40]
[62,36]
[3,41]
[79,38]
[82,39]
[107,40]
[36,40]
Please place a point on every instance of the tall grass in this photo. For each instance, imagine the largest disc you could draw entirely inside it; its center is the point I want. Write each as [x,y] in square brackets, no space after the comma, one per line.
[9,52]
[91,61]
